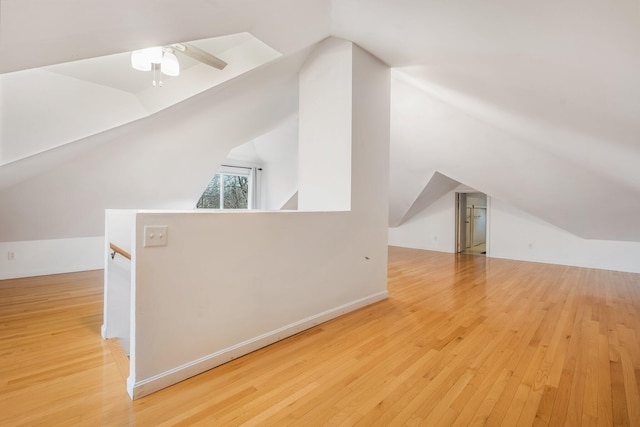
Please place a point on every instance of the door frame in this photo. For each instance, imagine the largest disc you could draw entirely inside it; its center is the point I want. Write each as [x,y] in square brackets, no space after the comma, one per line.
[460,197]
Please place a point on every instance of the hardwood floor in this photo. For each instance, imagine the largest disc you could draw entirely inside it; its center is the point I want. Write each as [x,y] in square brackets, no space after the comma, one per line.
[461,340]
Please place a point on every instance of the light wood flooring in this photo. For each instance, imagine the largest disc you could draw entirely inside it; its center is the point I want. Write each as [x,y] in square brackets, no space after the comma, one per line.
[461,340]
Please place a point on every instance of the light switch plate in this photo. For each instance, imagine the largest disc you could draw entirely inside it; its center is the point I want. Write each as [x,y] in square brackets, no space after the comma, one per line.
[155,235]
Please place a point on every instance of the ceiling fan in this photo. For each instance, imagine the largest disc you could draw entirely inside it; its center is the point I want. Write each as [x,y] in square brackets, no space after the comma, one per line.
[164,59]
[199,55]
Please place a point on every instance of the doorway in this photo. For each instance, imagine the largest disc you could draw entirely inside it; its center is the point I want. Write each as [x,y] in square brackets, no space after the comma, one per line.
[471,223]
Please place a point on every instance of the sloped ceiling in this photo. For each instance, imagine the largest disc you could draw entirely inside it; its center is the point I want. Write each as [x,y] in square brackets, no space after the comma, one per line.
[437,186]
[429,134]
[557,80]
[35,33]
[161,162]
[47,107]
[537,103]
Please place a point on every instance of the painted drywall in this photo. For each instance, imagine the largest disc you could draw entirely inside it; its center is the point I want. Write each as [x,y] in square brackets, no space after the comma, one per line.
[119,226]
[496,84]
[45,32]
[276,154]
[42,257]
[23,225]
[433,228]
[230,282]
[437,186]
[291,204]
[42,109]
[325,163]
[429,134]
[556,123]
[45,108]
[41,33]
[517,235]
[514,234]
[559,78]
[163,161]
[118,272]
[243,55]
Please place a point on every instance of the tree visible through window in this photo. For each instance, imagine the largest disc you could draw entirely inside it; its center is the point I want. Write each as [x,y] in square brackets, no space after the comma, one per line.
[235,192]
[226,191]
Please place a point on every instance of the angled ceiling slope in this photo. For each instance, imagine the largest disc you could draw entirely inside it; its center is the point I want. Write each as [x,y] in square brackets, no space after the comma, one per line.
[47,107]
[46,39]
[541,100]
[37,33]
[160,162]
[437,186]
[545,93]
[429,133]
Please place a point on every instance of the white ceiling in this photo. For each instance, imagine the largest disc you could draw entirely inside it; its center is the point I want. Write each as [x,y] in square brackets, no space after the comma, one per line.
[36,33]
[115,70]
[545,68]
[559,77]
[558,65]
[47,107]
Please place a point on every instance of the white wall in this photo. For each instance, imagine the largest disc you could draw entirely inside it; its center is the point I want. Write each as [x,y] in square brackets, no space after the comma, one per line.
[42,109]
[44,32]
[518,235]
[514,234]
[325,162]
[164,161]
[279,154]
[433,228]
[118,270]
[230,282]
[276,153]
[429,133]
[42,257]
[437,186]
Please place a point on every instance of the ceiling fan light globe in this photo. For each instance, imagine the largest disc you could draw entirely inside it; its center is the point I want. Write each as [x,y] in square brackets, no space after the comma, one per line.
[170,65]
[154,54]
[140,61]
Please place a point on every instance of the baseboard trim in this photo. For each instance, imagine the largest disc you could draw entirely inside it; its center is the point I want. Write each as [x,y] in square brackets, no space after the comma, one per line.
[150,385]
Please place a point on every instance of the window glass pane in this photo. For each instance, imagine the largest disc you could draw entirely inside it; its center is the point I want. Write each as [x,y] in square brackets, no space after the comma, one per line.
[227,190]
[211,197]
[236,192]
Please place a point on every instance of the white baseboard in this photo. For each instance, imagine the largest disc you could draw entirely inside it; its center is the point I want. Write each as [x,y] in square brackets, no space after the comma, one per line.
[55,256]
[150,385]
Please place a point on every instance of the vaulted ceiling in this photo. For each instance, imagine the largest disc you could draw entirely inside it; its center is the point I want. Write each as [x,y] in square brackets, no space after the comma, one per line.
[73,100]
[536,103]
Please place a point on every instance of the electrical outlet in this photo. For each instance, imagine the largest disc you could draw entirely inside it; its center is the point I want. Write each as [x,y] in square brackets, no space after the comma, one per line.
[155,235]
[11,256]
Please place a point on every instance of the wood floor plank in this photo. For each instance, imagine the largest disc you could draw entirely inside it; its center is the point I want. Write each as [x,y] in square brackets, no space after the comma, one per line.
[461,340]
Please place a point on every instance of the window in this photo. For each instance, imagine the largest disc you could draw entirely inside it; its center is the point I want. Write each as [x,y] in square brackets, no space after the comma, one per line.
[230,188]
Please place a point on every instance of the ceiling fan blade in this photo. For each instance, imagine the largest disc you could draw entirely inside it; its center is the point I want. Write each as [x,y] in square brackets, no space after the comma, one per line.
[200,55]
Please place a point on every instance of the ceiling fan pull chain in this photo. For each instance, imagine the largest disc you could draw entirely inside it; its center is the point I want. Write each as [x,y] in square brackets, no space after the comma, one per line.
[156,83]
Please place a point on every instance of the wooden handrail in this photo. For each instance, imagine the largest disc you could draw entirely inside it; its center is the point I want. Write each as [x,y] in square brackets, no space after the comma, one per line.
[118,250]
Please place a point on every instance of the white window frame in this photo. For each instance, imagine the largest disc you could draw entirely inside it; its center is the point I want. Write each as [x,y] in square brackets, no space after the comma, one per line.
[237,170]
